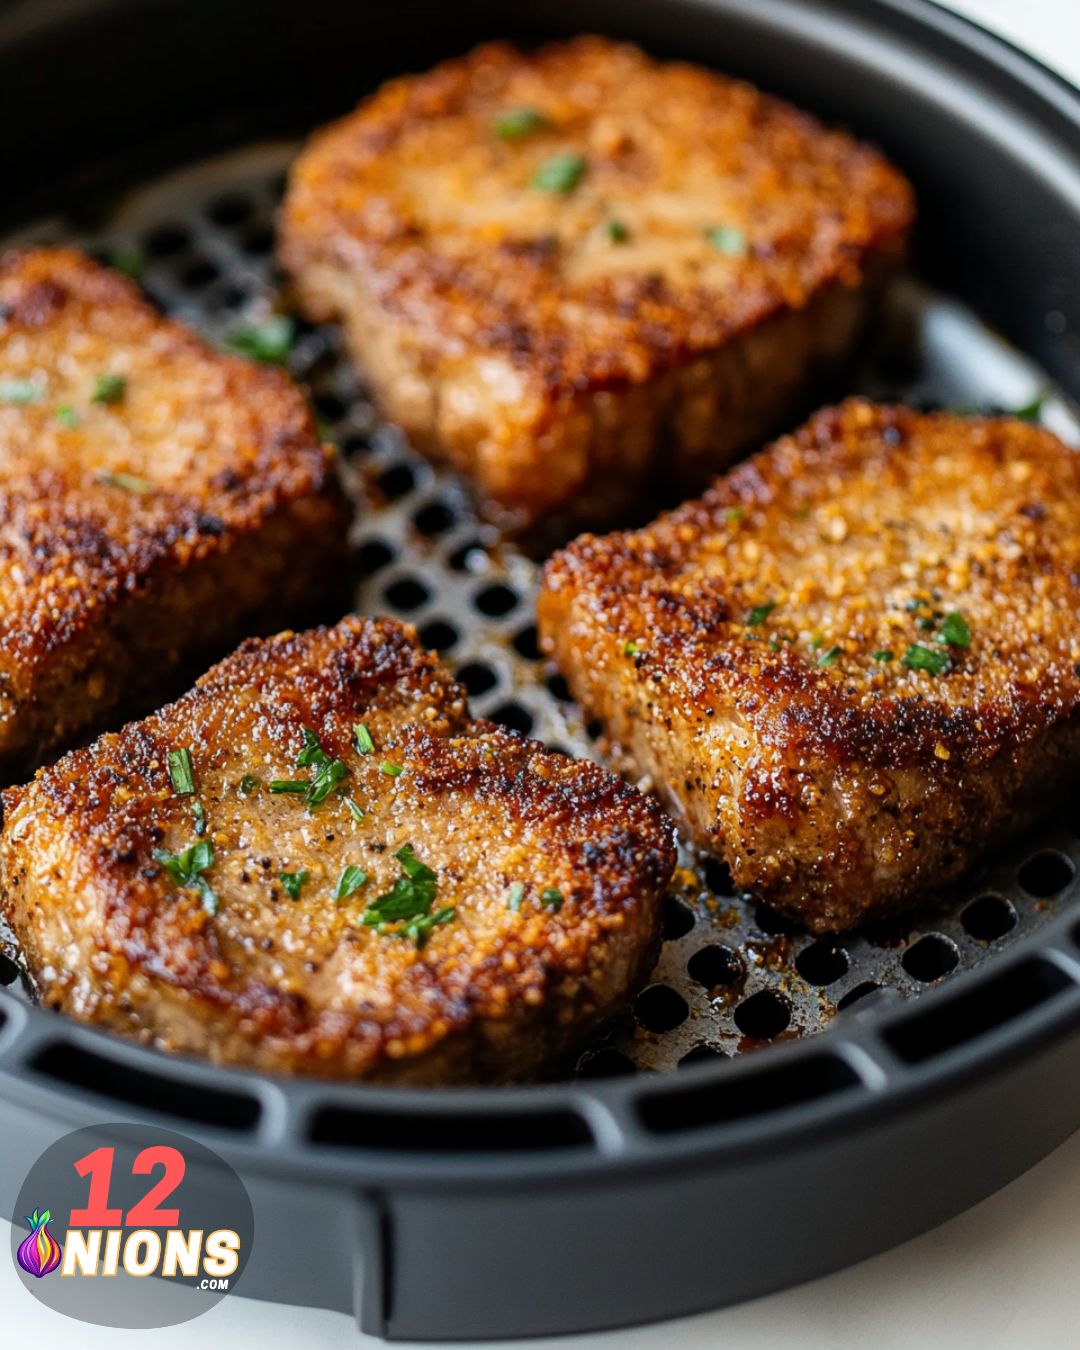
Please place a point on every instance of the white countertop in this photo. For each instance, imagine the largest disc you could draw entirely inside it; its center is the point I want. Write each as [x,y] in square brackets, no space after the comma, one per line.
[1002,1275]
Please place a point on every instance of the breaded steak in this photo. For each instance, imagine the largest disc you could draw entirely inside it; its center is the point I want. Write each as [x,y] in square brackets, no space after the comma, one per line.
[385,888]
[158,501]
[854,663]
[582,275]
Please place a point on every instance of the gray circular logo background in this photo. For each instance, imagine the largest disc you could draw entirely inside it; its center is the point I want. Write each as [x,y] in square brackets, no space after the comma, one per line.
[145,1181]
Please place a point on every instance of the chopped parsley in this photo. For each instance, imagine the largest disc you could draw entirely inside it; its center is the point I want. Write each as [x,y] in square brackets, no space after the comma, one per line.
[198,814]
[270,341]
[390,769]
[282,785]
[918,657]
[560,174]
[362,736]
[817,640]
[552,898]
[354,810]
[129,259]
[326,774]
[109,388]
[617,232]
[67,416]
[350,881]
[19,391]
[187,868]
[128,482]
[408,902]
[517,123]
[630,648]
[830,657]
[250,783]
[759,614]
[1031,412]
[955,631]
[883,655]
[294,882]
[180,771]
[515,895]
[727,239]
[925,625]
[734,514]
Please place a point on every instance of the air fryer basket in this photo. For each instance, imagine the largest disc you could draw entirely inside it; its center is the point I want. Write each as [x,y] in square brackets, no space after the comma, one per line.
[815,1152]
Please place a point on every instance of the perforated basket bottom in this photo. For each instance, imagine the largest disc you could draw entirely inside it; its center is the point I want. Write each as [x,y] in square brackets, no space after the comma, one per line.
[731,975]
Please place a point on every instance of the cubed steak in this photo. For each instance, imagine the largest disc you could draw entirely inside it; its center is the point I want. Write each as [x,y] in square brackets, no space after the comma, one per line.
[158,502]
[317,862]
[851,666]
[583,276]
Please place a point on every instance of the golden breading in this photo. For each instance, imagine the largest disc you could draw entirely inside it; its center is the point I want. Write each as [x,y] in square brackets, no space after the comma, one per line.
[538,922]
[854,663]
[582,276]
[158,501]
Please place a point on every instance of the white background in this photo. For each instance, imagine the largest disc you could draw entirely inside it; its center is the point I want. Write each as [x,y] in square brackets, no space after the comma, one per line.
[1006,1274]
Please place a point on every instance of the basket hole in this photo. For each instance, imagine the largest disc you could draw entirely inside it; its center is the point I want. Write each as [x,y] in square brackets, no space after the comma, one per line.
[9,971]
[469,557]
[606,1063]
[173,1095]
[965,1017]
[230,298]
[438,636]
[694,1106]
[197,275]
[988,917]
[165,240]
[231,208]
[931,958]
[514,717]
[821,963]
[718,877]
[434,519]
[676,919]
[659,1008]
[773,923]
[714,966]
[373,556]
[527,643]
[407,594]
[702,1054]
[396,481]
[763,1016]
[857,994]
[258,239]
[594,729]
[329,407]
[477,678]
[449,1132]
[558,688]
[496,601]
[1046,874]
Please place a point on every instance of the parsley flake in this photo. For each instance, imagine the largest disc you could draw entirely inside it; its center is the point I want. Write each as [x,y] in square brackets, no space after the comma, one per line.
[560,174]
[408,902]
[129,259]
[270,341]
[955,631]
[515,895]
[198,814]
[249,783]
[630,648]
[128,482]
[830,657]
[67,416]
[354,810]
[350,881]
[390,769]
[1031,412]
[187,867]
[918,657]
[283,785]
[883,655]
[294,882]
[517,123]
[727,239]
[109,388]
[180,771]
[552,898]
[759,614]
[617,232]
[362,736]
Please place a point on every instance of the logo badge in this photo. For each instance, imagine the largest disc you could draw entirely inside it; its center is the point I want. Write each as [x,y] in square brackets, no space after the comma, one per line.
[39,1252]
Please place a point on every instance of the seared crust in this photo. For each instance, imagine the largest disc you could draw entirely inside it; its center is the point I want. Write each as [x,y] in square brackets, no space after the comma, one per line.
[508,332]
[144,533]
[301,985]
[837,784]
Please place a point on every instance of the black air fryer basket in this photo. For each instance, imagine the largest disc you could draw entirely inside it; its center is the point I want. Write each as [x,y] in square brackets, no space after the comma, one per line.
[775,1106]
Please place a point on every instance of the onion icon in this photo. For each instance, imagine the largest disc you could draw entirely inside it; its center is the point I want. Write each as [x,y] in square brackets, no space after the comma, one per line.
[39,1252]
